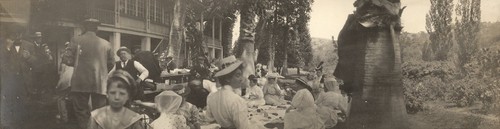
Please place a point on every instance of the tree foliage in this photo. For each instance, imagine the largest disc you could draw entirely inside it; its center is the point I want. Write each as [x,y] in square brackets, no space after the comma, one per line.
[286,29]
[467,29]
[439,27]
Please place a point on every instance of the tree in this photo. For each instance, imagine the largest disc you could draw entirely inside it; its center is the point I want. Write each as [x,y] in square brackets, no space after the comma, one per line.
[284,34]
[438,25]
[246,40]
[468,26]
[177,29]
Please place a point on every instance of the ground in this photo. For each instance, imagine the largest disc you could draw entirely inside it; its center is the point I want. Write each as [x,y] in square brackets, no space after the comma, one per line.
[438,115]
[441,115]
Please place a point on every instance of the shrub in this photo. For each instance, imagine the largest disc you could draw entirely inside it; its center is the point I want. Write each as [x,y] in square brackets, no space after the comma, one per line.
[465,91]
[414,98]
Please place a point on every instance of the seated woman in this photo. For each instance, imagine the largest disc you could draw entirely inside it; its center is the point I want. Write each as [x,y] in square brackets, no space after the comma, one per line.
[120,87]
[273,94]
[226,107]
[168,103]
[304,115]
[330,103]
[254,95]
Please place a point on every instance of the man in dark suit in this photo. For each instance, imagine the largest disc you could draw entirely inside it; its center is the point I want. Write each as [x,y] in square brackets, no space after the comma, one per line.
[16,61]
[93,55]
[43,70]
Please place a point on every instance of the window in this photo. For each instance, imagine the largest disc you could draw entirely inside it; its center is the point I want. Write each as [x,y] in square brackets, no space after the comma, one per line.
[159,13]
[152,5]
[131,6]
[136,8]
[141,8]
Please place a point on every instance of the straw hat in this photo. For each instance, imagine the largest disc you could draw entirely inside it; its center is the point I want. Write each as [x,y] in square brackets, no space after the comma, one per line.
[274,75]
[37,35]
[123,48]
[228,65]
[91,21]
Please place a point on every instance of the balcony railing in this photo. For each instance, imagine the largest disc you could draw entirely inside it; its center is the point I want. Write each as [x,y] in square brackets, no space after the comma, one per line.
[104,16]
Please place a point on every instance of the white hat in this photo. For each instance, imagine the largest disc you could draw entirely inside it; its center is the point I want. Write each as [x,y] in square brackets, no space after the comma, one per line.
[38,34]
[228,65]
[274,75]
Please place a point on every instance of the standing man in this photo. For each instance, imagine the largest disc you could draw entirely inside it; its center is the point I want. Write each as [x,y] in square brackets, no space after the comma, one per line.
[16,59]
[93,55]
[42,67]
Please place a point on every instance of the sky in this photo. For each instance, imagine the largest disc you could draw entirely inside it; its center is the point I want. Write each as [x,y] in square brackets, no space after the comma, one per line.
[328,16]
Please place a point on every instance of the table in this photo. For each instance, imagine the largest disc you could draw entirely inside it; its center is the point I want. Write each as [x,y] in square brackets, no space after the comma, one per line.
[175,78]
[272,117]
[149,95]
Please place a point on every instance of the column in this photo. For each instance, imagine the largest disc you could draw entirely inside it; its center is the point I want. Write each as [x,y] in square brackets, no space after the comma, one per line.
[146,43]
[221,53]
[115,40]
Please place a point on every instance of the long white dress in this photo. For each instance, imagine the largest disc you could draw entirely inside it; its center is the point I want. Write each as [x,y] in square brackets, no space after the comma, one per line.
[305,116]
[329,104]
[255,96]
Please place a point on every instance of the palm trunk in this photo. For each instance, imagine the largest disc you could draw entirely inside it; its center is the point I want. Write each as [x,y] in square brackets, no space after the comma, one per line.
[247,38]
[176,31]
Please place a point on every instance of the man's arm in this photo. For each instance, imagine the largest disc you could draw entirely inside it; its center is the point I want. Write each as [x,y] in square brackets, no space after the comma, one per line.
[144,72]
[111,58]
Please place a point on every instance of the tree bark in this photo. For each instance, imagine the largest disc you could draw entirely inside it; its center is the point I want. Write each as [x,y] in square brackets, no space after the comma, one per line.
[247,38]
[176,31]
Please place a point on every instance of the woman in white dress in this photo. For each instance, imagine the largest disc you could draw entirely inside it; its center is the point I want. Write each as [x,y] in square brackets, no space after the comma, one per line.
[254,96]
[302,112]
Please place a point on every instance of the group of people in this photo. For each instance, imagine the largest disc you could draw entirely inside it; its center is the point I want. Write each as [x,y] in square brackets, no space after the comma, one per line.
[102,89]
[27,72]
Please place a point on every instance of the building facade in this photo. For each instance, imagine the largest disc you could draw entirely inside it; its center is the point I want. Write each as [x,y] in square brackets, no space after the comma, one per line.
[136,24]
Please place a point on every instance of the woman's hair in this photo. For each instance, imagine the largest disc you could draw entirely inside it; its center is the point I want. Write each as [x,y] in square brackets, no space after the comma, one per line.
[128,82]
[224,79]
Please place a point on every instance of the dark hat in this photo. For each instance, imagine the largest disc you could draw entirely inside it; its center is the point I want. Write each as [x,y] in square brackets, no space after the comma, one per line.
[302,81]
[252,77]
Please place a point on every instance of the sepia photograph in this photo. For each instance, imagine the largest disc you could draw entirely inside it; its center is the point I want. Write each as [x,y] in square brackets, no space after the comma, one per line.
[249,64]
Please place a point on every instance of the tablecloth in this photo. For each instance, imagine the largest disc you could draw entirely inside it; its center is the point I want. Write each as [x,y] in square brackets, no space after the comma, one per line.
[272,117]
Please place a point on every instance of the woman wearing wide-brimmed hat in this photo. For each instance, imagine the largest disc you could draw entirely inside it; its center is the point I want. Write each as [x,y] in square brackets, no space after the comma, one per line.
[302,112]
[272,91]
[225,106]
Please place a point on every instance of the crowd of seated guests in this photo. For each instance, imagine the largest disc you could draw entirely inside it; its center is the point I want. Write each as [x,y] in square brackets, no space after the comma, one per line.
[314,105]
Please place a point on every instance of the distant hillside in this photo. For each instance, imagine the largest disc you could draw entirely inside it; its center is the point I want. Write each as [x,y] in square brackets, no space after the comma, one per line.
[324,50]
[489,35]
